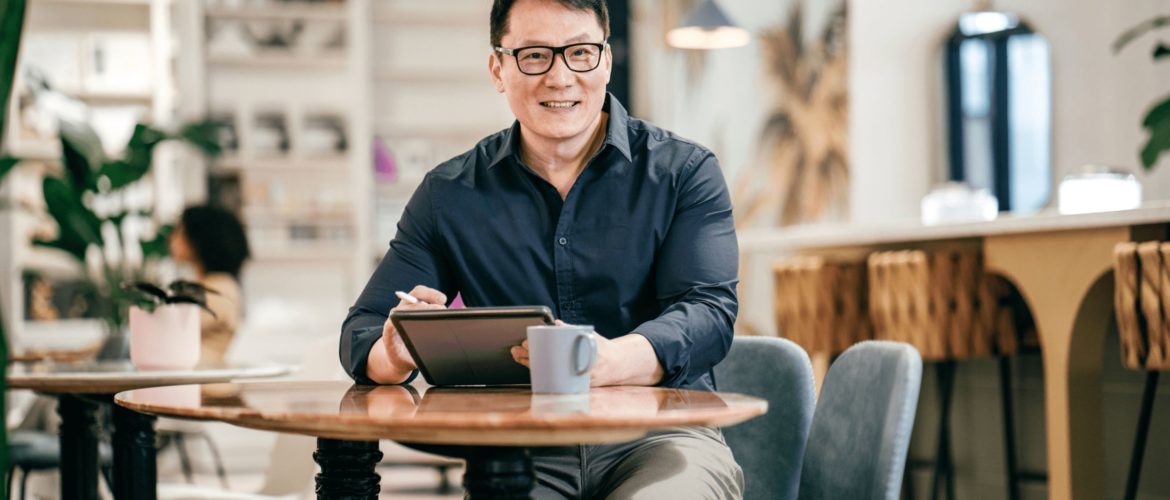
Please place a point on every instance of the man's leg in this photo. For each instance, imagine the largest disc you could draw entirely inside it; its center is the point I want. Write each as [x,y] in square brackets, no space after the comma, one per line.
[682,464]
[558,472]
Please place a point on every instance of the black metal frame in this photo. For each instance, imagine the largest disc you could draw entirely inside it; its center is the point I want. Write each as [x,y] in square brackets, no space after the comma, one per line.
[1139,441]
[555,51]
[942,465]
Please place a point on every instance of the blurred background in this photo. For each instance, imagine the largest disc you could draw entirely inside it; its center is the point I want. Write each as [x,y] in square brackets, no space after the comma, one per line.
[328,113]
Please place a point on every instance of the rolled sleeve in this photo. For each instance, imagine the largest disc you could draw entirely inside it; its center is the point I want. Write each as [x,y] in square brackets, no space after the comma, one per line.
[414,258]
[696,277]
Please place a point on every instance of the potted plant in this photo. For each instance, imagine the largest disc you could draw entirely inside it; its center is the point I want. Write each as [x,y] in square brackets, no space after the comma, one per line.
[113,239]
[1157,119]
[164,323]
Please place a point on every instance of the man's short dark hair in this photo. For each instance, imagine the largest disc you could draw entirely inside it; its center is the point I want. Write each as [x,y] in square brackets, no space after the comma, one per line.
[501,8]
[218,238]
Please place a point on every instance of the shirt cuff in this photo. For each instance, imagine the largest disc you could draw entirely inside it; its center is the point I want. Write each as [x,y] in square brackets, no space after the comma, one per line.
[669,349]
[361,342]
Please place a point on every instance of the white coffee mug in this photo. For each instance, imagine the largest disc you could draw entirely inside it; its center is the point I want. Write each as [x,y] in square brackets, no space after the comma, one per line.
[560,358]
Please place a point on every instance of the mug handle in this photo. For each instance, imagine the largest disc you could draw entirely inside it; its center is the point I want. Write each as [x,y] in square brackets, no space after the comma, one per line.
[577,351]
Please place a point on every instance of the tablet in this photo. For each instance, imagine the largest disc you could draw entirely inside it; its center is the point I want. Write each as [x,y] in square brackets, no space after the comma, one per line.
[470,346]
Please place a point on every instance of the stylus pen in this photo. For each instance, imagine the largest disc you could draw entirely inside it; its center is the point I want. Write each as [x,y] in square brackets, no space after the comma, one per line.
[408,297]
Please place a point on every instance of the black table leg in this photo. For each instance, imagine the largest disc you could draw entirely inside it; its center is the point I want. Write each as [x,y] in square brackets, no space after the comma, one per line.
[499,473]
[79,448]
[347,469]
[135,468]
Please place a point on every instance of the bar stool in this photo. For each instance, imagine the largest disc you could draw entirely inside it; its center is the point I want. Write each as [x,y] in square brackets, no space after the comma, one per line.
[943,303]
[1141,296]
[820,304]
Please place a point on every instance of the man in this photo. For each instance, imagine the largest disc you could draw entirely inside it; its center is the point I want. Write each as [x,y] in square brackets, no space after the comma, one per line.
[605,219]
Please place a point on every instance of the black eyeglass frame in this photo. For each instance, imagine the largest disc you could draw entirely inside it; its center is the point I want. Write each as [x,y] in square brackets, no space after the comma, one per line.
[555,51]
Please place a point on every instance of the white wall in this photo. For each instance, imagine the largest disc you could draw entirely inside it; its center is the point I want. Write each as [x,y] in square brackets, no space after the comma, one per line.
[1099,98]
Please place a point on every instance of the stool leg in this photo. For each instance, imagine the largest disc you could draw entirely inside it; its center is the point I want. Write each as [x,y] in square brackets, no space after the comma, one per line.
[907,481]
[1009,426]
[184,459]
[444,481]
[942,461]
[219,470]
[1139,441]
[23,483]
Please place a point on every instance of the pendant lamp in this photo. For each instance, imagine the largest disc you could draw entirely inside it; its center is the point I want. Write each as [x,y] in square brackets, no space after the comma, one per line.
[707,27]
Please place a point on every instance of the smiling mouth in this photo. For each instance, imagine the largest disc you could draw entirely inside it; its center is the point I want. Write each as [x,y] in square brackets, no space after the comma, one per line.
[559,104]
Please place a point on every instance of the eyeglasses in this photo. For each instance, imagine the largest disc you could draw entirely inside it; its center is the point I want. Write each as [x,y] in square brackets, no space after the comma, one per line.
[538,59]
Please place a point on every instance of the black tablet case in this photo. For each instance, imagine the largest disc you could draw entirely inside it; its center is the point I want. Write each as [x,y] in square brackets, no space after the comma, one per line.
[470,346]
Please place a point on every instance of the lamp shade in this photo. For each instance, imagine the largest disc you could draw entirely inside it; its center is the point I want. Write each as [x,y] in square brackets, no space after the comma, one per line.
[708,27]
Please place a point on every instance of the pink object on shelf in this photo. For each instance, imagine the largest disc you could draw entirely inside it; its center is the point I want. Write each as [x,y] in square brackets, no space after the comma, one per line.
[458,302]
[385,169]
[167,339]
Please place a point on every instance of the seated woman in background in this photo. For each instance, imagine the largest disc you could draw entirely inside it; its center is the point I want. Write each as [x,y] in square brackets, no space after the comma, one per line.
[212,241]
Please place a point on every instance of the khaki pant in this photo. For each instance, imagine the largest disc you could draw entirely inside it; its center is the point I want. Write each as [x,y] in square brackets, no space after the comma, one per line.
[679,464]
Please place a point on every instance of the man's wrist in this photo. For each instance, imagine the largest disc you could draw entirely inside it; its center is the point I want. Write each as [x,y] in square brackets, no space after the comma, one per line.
[380,369]
[639,361]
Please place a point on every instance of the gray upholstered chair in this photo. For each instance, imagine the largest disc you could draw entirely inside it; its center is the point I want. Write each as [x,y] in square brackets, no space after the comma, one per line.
[770,448]
[861,430]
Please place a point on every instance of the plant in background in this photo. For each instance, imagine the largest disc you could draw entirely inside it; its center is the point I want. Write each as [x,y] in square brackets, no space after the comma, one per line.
[1157,119]
[103,214]
[148,296]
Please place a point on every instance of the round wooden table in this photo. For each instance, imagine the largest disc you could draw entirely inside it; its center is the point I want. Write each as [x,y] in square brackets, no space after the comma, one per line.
[81,387]
[493,428]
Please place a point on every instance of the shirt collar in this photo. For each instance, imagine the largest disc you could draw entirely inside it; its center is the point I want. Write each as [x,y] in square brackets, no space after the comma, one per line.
[616,134]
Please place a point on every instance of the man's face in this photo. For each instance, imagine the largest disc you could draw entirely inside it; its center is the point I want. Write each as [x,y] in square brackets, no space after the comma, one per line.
[561,104]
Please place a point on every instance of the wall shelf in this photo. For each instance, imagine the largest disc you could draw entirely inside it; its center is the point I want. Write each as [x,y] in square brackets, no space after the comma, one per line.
[274,165]
[280,60]
[282,11]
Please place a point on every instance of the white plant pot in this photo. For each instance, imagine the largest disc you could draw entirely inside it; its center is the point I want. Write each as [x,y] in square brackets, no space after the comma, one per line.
[167,339]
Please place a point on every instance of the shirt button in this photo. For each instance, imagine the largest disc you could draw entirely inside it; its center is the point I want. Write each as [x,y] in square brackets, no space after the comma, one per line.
[563,241]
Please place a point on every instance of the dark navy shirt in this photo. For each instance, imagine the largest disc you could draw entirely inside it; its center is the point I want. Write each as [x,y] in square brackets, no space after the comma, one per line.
[643,242]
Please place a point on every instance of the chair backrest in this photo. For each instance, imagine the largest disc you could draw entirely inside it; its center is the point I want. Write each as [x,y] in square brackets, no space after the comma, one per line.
[861,430]
[769,448]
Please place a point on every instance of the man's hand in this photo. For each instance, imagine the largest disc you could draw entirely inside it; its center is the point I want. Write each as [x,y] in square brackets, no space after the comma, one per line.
[389,361]
[626,360]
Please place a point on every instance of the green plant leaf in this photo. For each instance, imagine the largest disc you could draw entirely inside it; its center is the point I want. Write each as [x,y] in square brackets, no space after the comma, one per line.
[121,173]
[7,163]
[148,290]
[1136,31]
[83,153]
[78,226]
[11,25]
[1158,124]
[157,247]
[191,300]
[1157,114]
[204,135]
[190,289]
[140,149]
